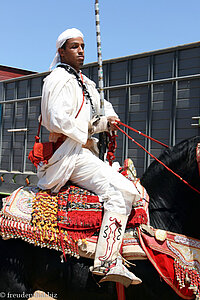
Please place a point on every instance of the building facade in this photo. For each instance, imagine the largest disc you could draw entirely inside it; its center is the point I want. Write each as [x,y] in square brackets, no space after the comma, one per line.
[157,93]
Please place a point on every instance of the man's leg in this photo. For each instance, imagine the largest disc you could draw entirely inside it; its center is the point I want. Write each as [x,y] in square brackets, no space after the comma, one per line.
[116,191]
[117,194]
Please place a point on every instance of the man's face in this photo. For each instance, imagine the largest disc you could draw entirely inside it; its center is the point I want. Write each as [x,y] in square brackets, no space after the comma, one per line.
[73,54]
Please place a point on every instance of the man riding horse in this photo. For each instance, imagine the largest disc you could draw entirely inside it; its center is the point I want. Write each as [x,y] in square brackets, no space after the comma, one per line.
[70,106]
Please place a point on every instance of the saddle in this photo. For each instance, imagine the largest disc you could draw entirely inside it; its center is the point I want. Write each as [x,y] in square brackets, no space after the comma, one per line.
[67,221]
[64,221]
[176,257]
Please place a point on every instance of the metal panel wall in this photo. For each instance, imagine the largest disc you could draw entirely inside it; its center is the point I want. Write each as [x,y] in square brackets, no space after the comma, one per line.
[20,101]
[157,93]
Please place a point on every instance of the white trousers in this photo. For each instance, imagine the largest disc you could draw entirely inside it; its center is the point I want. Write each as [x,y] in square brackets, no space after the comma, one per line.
[117,192]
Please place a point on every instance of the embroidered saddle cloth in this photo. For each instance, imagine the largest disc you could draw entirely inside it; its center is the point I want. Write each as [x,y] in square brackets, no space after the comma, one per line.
[48,220]
[176,258]
[63,221]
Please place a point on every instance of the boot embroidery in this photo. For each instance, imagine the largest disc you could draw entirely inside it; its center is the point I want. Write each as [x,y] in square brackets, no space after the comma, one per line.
[111,237]
[105,231]
[120,233]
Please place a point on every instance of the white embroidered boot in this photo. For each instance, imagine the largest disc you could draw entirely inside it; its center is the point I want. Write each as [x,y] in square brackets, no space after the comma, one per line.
[107,260]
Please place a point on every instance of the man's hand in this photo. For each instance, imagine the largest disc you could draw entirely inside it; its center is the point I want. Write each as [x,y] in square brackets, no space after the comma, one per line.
[54,136]
[112,121]
[92,145]
[102,123]
[98,124]
[88,144]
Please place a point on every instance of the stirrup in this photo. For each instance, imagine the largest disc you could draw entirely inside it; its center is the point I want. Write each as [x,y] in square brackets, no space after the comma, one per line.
[103,269]
[117,272]
[124,277]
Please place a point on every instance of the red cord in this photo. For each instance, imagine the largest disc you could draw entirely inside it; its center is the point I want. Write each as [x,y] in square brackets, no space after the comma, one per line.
[156,159]
[139,132]
[112,146]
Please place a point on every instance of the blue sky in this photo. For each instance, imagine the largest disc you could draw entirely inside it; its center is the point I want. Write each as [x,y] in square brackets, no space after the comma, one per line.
[29,28]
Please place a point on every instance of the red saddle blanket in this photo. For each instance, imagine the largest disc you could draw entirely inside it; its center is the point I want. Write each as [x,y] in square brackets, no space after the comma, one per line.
[79,209]
[176,258]
[58,221]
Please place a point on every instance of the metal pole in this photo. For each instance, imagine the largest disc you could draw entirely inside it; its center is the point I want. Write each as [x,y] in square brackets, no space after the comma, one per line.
[100,65]
[102,136]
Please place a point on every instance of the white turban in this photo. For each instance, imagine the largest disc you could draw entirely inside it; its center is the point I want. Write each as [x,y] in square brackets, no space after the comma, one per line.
[63,37]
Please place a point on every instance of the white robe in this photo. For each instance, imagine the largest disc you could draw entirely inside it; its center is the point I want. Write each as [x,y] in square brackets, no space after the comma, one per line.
[61,100]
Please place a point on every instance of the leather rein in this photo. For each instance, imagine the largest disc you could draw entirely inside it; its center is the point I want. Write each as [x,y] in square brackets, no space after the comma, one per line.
[159,161]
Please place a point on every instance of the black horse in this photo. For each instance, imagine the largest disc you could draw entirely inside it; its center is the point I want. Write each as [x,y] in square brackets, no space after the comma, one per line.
[173,206]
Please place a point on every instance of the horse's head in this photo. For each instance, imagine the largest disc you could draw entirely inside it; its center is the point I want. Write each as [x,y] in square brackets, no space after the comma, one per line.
[173,205]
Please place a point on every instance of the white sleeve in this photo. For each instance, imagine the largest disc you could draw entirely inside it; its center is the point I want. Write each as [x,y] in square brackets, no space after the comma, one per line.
[61,115]
[109,110]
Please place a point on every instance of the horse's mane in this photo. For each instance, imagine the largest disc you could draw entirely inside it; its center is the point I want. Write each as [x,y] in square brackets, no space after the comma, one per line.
[173,205]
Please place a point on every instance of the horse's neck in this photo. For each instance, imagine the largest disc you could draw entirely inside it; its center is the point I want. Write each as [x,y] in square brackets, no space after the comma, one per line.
[179,214]
[173,205]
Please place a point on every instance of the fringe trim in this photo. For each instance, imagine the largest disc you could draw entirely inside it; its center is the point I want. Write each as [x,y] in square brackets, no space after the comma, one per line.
[187,277]
[138,216]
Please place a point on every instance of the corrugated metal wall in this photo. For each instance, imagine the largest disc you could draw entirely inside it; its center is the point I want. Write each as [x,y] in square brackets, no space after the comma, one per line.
[157,93]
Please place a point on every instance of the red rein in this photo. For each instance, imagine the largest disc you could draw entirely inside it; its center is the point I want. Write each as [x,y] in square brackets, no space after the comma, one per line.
[152,154]
[139,132]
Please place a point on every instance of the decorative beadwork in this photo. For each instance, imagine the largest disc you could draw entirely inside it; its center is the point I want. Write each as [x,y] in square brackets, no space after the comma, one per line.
[55,221]
[187,277]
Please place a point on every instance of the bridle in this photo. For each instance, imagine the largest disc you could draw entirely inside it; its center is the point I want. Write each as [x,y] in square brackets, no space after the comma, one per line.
[159,161]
